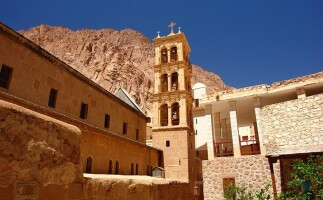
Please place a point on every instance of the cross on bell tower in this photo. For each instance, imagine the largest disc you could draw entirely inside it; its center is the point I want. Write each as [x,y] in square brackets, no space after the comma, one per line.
[171,26]
[172,106]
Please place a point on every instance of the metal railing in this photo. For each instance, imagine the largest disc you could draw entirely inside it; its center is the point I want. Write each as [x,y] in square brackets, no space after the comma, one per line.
[249,147]
[223,148]
[175,121]
[164,122]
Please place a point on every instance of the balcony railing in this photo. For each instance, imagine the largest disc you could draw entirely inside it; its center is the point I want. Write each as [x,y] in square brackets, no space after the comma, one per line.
[249,147]
[164,122]
[223,148]
[175,121]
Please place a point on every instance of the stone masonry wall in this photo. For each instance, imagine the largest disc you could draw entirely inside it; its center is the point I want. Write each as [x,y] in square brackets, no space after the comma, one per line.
[38,155]
[295,123]
[252,172]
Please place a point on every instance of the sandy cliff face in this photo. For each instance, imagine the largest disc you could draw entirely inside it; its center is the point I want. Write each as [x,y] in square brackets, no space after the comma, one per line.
[111,58]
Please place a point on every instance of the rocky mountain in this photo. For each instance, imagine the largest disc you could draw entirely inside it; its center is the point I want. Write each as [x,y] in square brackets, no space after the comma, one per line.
[111,58]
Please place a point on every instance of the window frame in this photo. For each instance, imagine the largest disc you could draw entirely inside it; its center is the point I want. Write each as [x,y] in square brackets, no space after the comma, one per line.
[8,77]
[125,128]
[107,119]
[137,134]
[84,110]
[52,99]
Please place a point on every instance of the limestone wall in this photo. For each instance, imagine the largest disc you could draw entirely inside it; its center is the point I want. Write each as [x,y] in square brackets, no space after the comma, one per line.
[293,123]
[253,172]
[103,148]
[38,155]
[34,75]
[40,158]
[110,187]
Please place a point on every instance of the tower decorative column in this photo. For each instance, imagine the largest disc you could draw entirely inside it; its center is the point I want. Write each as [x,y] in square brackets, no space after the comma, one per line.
[173,127]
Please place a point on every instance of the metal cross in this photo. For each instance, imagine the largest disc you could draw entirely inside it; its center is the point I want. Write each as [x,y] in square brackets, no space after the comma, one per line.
[171,26]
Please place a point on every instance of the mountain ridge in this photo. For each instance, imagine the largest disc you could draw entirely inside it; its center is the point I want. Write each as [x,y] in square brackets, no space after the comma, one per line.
[112,59]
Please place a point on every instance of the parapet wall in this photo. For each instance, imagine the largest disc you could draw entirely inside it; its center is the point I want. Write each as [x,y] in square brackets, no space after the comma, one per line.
[110,187]
[252,172]
[38,154]
[295,123]
[40,158]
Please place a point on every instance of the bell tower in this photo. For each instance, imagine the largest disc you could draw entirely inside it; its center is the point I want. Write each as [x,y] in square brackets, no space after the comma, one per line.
[172,105]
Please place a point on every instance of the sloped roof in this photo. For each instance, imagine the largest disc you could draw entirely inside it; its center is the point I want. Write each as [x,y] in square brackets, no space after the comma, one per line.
[125,97]
[297,151]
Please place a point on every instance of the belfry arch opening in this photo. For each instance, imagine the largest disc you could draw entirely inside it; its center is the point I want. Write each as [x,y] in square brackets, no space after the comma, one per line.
[173,54]
[164,56]
[164,115]
[164,83]
[175,114]
[174,81]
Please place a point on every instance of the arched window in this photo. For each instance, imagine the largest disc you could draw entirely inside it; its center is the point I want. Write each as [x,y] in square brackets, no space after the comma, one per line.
[164,83]
[137,169]
[164,57]
[117,167]
[88,168]
[164,115]
[173,54]
[175,114]
[132,169]
[110,167]
[174,81]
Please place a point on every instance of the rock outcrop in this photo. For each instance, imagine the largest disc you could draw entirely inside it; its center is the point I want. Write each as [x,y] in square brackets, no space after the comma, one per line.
[111,58]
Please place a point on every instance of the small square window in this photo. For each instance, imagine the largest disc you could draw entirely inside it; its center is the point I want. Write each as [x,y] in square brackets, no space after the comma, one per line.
[84,111]
[167,143]
[125,128]
[195,132]
[52,98]
[5,76]
[107,121]
[137,134]
[195,121]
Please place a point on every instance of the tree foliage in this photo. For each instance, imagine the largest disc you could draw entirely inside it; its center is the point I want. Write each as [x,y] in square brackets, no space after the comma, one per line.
[306,180]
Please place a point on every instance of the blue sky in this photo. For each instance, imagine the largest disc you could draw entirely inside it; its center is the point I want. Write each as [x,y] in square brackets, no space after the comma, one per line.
[246,42]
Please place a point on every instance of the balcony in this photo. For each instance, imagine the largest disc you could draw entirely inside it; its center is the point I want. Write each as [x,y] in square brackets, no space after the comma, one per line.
[223,148]
[249,147]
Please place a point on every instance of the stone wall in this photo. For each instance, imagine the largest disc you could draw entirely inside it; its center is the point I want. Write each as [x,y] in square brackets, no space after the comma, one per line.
[38,155]
[110,187]
[294,123]
[40,158]
[103,148]
[34,74]
[252,172]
